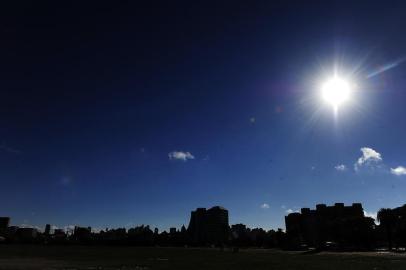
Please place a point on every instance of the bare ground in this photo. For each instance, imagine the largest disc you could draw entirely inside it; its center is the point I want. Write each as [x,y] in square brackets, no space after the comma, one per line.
[91,257]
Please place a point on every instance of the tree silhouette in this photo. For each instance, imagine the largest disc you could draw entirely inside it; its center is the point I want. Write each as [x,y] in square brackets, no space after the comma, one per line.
[388,220]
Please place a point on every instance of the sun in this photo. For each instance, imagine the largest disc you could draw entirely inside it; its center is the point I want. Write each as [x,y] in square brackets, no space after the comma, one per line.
[336,91]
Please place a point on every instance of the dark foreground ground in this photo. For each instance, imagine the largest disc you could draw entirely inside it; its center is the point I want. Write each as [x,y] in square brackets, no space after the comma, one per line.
[80,257]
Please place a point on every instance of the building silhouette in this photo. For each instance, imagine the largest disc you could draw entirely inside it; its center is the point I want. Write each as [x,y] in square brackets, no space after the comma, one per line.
[209,227]
[197,226]
[47,229]
[4,223]
[344,226]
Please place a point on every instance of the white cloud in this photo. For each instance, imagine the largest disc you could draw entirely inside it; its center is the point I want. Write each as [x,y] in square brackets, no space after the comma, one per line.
[69,228]
[96,230]
[179,155]
[369,154]
[265,206]
[24,225]
[369,157]
[371,215]
[289,211]
[400,170]
[340,167]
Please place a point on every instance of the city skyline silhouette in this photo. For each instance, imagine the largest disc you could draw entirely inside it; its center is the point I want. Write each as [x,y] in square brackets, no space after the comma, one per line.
[325,228]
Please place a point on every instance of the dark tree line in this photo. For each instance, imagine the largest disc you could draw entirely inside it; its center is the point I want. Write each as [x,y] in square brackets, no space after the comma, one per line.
[393,224]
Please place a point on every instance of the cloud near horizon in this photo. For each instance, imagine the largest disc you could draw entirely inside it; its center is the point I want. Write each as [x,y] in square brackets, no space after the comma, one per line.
[371,215]
[289,211]
[400,170]
[179,155]
[265,206]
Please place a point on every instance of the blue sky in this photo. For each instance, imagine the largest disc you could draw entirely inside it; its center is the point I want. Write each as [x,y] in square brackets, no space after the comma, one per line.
[137,114]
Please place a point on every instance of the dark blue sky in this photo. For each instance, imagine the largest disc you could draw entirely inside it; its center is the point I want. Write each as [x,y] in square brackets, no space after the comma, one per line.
[96,97]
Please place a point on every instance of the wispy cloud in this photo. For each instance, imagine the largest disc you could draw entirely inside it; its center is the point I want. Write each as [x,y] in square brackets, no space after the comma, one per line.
[24,225]
[9,149]
[340,167]
[369,158]
[180,155]
[400,170]
[289,211]
[66,180]
[265,206]
[96,230]
[69,228]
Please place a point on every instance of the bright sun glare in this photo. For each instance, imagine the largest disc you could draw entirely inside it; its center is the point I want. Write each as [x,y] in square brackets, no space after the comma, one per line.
[336,91]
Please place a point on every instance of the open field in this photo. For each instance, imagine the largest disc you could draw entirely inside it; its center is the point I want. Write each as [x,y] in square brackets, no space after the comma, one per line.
[81,257]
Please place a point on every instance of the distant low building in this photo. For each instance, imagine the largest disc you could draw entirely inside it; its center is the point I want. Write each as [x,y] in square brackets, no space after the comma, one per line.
[59,233]
[82,234]
[26,235]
